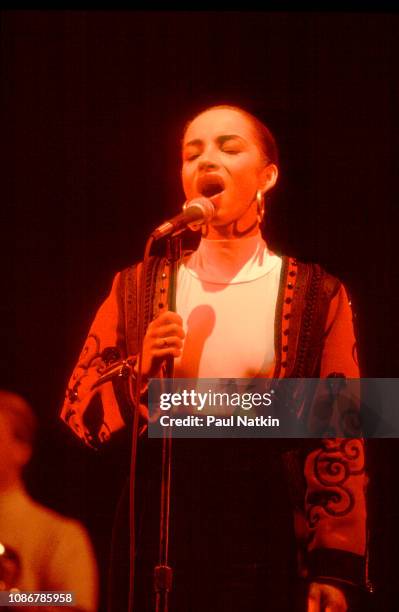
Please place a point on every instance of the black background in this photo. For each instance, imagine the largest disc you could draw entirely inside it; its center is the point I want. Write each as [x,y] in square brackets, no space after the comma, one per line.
[94,107]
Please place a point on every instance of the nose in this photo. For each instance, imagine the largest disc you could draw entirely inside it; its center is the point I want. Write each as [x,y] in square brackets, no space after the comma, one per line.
[207,164]
[207,161]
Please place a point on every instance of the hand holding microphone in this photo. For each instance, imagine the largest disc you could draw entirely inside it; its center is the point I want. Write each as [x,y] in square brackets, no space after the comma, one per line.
[164,336]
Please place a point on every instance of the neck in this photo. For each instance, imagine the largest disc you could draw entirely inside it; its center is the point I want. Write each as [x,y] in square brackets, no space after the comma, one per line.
[222,259]
[232,231]
[8,485]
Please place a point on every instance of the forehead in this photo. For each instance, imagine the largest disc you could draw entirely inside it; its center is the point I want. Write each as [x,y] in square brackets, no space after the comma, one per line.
[213,123]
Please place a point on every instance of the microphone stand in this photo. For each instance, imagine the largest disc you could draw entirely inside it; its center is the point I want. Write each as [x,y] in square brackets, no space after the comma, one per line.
[163,573]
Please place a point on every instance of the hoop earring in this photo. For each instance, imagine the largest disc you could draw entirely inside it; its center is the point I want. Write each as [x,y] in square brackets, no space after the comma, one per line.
[260,205]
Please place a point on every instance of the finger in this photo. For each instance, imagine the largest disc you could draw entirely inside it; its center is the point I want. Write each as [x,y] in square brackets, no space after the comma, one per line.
[336,607]
[170,351]
[167,317]
[170,341]
[172,329]
[313,605]
[314,599]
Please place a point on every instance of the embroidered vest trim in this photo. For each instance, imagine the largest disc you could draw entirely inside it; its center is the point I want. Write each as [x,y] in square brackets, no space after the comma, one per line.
[304,296]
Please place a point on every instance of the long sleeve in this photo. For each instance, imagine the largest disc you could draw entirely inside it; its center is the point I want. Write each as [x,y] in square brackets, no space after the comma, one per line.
[339,353]
[94,413]
[327,475]
[335,501]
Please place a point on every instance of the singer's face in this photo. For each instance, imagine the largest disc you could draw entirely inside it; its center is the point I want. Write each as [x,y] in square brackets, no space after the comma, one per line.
[223,161]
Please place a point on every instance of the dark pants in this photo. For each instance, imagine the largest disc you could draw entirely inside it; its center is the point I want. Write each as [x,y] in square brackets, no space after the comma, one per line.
[232,544]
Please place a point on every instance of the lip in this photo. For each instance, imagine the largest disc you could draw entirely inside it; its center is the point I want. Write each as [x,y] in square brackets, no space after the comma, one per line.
[210,185]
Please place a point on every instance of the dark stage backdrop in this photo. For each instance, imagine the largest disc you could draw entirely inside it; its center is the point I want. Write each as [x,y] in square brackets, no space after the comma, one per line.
[93,108]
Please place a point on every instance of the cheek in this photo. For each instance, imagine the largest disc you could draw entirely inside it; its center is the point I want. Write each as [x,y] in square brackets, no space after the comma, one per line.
[187,180]
[246,182]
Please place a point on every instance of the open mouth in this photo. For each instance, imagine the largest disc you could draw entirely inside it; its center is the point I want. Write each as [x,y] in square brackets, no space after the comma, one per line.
[209,185]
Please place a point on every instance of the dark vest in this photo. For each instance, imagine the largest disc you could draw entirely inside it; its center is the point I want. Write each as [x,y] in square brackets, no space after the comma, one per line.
[232,536]
[304,297]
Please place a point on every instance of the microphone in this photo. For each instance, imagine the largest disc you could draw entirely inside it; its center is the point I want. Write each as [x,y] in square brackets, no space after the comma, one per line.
[196,212]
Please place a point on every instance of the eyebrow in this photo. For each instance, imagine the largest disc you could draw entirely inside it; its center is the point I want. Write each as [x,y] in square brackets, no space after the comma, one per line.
[220,140]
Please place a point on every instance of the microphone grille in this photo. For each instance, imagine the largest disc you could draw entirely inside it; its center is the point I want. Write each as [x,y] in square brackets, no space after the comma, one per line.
[204,204]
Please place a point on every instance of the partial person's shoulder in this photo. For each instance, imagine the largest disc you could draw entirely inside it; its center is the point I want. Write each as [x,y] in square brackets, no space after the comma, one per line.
[54,524]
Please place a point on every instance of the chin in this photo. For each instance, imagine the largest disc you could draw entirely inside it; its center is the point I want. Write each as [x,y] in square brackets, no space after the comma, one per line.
[219,221]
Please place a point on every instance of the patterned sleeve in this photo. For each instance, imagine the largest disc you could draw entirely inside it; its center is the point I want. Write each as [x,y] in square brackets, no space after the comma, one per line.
[91,411]
[335,499]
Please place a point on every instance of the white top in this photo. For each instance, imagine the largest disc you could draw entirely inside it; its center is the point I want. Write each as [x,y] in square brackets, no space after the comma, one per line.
[226,295]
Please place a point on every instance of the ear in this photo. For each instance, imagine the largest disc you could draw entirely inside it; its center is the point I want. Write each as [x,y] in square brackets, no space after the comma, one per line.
[22,453]
[268,177]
